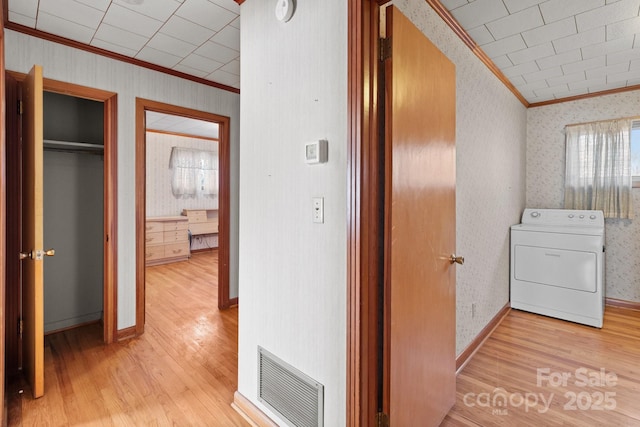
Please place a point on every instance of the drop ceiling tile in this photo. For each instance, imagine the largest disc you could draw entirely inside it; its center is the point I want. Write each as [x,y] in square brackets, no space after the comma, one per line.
[206,14]
[526,68]
[532,53]
[217,52]
[73,11]
[452,4]
[585,84]
[624,28]
[71,30]
[601,49]
[560,59]
[187,31]
[502,61]
[201,63]
[113,47]
[623,56]
[230,5]
[622,77]
[587,64]
[552,91]
[518,5]
[102,5]
[235,23]
[555,10]
[576,41]
[635,65]
[232,67]
[517,80]
[479,12]
[550,32]
[129,20]
[27,8]
[27,21]
[156,9]
[481,35]
[171,45]
[576,92]
[155,56]
[192,71]
[538,84]
[501,47]
[120,37]
[604,87]
[516,23]
[224,78]
[567,78]
[636,43]
[603,71]
[620,11]
[543,74]
[229,37]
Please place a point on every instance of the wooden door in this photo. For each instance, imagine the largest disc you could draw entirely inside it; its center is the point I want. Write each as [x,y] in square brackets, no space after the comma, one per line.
[419,374]
[32,233]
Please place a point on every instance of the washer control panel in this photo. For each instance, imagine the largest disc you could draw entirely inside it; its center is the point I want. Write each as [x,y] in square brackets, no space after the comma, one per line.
[563,217]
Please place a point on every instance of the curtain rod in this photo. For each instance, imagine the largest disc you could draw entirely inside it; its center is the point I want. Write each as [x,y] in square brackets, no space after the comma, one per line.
[600,121]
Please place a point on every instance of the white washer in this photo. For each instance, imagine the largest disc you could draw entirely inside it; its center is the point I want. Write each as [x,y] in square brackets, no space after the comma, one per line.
[557,264]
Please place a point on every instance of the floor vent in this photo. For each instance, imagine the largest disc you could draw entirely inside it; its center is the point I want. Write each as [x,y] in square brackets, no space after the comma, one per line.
[296,398]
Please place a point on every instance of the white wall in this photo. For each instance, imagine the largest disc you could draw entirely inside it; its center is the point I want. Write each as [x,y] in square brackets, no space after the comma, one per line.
[129,81]
[490,149]
[292,271]
[545,180]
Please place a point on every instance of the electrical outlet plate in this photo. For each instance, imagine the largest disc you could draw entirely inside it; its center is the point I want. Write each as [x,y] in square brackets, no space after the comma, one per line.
[318,210]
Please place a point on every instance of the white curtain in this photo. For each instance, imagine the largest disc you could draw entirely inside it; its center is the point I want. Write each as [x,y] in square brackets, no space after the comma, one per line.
[195,173]
[598,174]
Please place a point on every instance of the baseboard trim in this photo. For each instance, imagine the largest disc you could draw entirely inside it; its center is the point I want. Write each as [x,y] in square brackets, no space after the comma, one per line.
[126,333]
[251,412]
[620,303]
[475,345]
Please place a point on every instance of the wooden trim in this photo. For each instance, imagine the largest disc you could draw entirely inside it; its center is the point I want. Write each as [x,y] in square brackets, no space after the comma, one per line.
[460,32]
[251,412]
[585,96]
[363,220]
[112,55]
[182,135]
[630,305]
[475,345]
[633,118]
[126,333]
[224,153]
[110,189]
[3,228]
[233,302]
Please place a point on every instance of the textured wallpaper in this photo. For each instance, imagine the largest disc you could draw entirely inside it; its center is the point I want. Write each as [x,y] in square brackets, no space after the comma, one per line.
[545,180]
[490,145]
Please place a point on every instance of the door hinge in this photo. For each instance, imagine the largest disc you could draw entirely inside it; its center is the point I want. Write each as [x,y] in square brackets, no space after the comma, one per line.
[20,107]
[382,420]
[20,326]
[385,49]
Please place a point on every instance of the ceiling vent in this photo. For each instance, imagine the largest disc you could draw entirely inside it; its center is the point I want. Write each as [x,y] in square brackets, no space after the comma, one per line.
[289,393]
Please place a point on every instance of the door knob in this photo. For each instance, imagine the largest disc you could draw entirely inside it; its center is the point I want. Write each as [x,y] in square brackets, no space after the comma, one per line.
[37,255]
[459,259]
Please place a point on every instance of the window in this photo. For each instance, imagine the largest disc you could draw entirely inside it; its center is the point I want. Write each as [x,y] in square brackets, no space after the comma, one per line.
[635,152]
[598,174]
[195,173]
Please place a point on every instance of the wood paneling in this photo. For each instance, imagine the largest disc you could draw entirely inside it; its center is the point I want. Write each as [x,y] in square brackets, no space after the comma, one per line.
[224,153]
[182,371]
[509,361]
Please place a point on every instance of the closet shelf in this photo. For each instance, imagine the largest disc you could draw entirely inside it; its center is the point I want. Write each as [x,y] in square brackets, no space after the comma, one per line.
[75,146]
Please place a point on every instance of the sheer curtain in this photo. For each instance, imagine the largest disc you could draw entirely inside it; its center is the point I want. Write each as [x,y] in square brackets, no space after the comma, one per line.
[598,174]
[195,173]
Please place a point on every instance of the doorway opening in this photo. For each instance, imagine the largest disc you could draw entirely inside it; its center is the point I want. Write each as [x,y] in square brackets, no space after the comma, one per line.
[195,224]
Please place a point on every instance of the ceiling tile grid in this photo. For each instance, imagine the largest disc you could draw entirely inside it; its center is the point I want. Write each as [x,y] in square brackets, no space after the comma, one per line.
[196,37]
[554,49]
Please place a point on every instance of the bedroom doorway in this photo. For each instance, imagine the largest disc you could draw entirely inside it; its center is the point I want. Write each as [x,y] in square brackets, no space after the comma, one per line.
[191,215]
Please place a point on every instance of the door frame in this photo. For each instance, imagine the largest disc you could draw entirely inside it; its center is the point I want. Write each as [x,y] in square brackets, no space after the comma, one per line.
[364,229]
[224,150]
[3,217]
[110,190]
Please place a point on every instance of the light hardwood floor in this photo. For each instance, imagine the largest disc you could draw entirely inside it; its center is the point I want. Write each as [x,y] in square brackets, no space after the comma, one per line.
[591,377]
[182,371]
